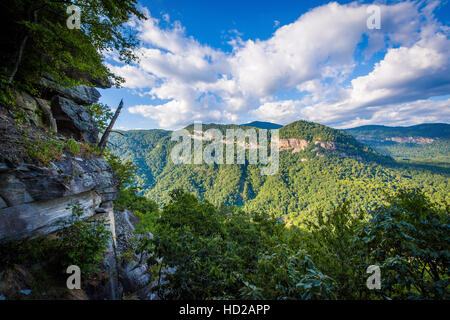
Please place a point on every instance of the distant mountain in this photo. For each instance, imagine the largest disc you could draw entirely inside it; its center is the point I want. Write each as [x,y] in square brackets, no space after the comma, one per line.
[319,167]
[429,141]
[426,130]
[263,125]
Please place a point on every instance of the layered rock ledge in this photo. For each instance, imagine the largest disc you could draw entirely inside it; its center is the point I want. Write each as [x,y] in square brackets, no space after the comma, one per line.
[33,199]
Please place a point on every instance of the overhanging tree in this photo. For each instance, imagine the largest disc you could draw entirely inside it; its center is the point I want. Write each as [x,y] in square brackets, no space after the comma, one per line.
[36,41]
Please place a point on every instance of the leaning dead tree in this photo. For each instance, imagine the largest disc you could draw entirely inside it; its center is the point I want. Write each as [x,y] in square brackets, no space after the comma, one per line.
[104,139]
[21,49]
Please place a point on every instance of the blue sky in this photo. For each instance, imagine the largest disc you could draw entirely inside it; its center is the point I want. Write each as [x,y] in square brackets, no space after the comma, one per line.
[280,61]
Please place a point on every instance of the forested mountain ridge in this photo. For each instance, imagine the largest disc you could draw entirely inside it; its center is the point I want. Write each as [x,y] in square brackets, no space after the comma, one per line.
[319,168]
[378,132]
[320,138]
[426,142]
[263,125]
[149,150]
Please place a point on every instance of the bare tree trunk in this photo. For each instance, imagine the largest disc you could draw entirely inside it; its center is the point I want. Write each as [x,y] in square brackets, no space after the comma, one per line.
[20,54]
[18,60]
[104,139]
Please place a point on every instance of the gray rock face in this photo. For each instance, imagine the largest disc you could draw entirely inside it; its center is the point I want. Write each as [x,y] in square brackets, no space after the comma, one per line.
[113,289]
[40,218]
[74,120]
[104,83]
[133,272]
[26,102]
[89,174]
[49,121]
[30,106]
[65,113]
[13,191]
[134,276]
[36,196]
[2,203]
[83,95]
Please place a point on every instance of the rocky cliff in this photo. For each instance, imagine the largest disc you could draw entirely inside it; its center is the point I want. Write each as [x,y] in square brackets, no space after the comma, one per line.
[39,175]
[48,161]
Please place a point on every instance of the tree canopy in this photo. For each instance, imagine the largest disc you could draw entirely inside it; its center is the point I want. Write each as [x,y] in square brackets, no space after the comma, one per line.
[37,42]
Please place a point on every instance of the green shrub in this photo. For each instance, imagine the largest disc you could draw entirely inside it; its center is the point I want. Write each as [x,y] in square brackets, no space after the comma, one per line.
[284,273]
[83,241]
[409,238]
[333,245]
[43,151]
[125,170]
[80,242]
[73,146]
[101,113]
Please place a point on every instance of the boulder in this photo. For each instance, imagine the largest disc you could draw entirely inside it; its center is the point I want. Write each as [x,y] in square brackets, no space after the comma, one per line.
[89,174]
[134,269]
[74,120]
[25,101]
[83,95]
[30,106]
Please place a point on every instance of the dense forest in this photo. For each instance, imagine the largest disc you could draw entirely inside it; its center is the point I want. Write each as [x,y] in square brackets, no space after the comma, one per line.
[308,232]
[227,253]
[307,181]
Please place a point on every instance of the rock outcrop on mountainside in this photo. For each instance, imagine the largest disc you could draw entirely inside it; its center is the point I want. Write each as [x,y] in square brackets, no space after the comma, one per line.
[418,142]
[296,145]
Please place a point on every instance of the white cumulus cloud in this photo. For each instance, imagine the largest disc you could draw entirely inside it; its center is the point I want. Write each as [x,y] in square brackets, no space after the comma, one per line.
[313,58]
